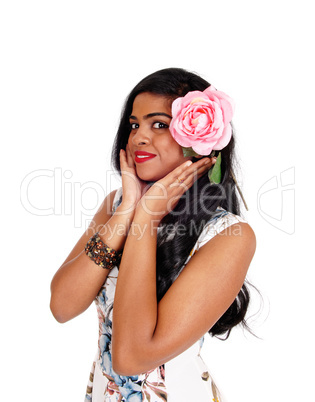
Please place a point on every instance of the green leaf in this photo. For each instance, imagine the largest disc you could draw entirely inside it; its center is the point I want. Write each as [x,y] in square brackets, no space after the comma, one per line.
[214,173]
[189,152]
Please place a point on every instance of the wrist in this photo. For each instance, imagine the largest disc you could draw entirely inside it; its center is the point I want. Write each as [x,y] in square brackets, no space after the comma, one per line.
[115,231]
[144,215]
[144,224]
[102,254]
[126,208]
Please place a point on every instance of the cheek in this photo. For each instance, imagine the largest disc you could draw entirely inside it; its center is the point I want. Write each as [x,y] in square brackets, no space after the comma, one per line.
[169,145]
[172,158]
[174,151]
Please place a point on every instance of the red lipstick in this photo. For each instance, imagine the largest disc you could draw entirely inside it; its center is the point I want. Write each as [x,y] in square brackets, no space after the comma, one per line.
[143,156]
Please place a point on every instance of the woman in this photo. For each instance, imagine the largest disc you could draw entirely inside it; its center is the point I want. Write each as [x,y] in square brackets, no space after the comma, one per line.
[154,311]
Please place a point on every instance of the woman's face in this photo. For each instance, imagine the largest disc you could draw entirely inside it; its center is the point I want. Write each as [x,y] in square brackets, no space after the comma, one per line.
[152,147]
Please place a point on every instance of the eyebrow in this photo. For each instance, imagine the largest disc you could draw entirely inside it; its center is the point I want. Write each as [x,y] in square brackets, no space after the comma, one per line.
[151,115]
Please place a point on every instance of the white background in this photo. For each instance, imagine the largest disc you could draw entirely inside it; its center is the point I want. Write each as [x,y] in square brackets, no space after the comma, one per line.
[66,67]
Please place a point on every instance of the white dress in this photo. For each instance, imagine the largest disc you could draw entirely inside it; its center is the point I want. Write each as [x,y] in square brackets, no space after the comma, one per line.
[183,379]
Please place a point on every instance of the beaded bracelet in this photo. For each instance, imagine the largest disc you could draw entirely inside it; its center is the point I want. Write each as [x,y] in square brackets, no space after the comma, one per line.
[101,254]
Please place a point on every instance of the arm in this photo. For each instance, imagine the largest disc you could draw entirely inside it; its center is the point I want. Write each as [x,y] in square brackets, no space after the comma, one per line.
[79,279]
[147,334]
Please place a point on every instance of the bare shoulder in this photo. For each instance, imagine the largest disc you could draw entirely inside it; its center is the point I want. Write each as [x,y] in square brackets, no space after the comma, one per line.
[234,246]
[241,232]
[244,235]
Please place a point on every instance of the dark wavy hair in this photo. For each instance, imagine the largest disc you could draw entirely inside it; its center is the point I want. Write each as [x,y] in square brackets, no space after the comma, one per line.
[197,206]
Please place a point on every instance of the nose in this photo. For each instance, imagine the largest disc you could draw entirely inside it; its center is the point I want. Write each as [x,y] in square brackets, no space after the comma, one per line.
[141,137]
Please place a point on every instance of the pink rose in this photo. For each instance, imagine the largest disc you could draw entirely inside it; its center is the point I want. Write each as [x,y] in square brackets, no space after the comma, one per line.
[201,120]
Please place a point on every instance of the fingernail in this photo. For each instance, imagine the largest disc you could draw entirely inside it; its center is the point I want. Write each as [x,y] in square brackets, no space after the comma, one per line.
[207,161]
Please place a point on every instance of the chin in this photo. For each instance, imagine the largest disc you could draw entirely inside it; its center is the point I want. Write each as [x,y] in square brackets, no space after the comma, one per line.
[148,176]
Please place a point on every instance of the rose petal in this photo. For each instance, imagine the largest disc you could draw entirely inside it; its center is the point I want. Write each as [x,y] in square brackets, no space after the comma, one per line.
[182,140]
[190,96]
[228,110]
[227,103]
[202,149]
[224,139]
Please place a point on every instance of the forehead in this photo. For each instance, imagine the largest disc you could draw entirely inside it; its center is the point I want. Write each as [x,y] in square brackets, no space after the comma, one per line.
[147,102]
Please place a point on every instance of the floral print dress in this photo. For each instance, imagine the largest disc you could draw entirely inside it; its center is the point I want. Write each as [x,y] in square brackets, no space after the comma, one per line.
[183,379]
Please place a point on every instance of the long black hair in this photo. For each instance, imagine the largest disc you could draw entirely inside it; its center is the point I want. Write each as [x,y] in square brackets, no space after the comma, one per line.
[197,206]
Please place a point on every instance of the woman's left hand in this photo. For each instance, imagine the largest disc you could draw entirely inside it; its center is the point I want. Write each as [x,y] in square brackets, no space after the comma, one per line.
[164,195]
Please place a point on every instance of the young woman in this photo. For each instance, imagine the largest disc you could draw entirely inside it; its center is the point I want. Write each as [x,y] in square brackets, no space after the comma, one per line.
[166,256]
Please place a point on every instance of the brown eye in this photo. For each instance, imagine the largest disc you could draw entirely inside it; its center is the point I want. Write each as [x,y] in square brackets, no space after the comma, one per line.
[134,126]
[159,124]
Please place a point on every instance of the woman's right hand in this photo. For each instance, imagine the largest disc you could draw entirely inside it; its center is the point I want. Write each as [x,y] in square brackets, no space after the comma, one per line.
[78,280]
[133,188]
